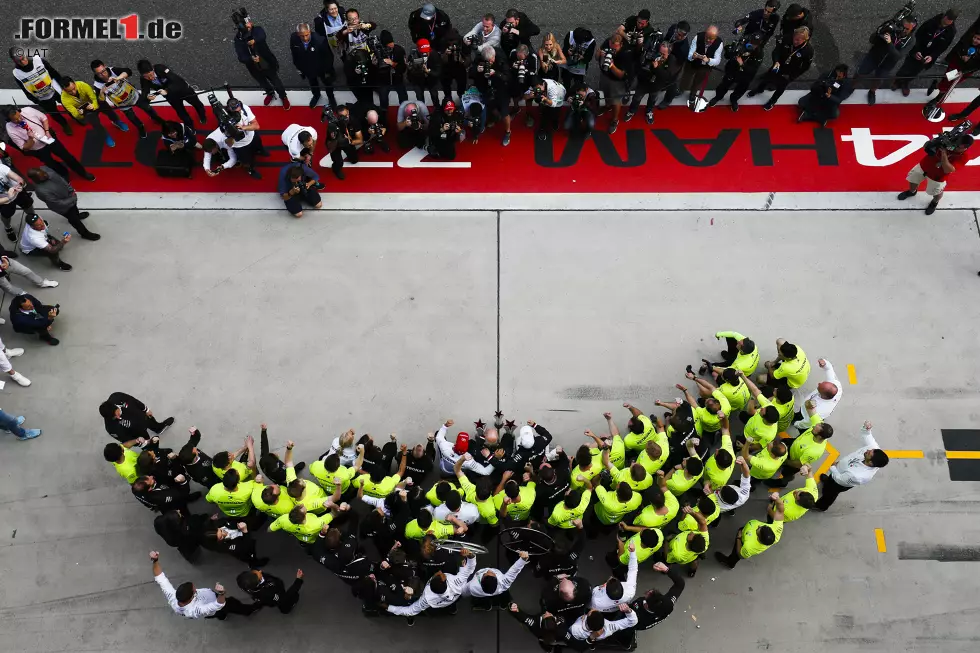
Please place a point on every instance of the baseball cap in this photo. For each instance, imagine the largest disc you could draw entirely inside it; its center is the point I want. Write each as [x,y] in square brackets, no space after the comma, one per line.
[423,46]
[449,106]
[428,11]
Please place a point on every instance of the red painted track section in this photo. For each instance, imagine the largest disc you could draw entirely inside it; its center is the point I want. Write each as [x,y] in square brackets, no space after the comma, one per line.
[717,151]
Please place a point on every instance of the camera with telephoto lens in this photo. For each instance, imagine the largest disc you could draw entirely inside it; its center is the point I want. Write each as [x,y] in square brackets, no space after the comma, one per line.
[521,72]
[486,68]
[361,64]
[746,45]
[607,60]
[893,26]
[418,62]
[414,119]
[379,52]
[473,122]
[508,26]
[577,102]
[950,140]
[227,123]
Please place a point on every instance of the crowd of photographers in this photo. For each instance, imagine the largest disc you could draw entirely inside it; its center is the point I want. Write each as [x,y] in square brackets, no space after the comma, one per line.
[484,75]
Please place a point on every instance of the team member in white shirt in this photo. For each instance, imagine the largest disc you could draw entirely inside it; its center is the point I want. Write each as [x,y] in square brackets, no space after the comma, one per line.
[296,138]
[216,147]
[12,197]
[593,626]
[611,594]
[448,456]
[729,496]
[36,241]
[441,592]
[825,397]
[193,603]
[454,506]
[489,588]
[550,95]
[250,145]
[852,470]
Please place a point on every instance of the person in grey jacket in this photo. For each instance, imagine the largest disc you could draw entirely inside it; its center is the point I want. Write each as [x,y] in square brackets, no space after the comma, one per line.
[8,267]
[60,197]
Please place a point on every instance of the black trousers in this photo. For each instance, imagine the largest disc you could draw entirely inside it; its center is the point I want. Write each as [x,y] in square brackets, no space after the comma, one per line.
[337,157]
[643,87]
[828,492]
[569,80]
[269,80]
[739,85]
[444,148]
[910,68]
[432,86]
[23,201]
[143,105]
[93,119]
[773,80]
[290,598]
[247,153]
[190,98]
[549,118]
[970,108]
[383,103]
[409,138]
[315,79]
[53,256]
[50,108]
[698,81]
[734,557]
[234,606]
[501,600]
[817,108]
[75,220]
[451,74]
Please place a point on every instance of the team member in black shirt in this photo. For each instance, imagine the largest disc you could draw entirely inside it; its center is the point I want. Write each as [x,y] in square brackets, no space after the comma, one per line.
[789,60]
[390,74]
[271,465]
[615,70]
[548,628]
[127,418]
[196,462]
[764,20]
[886,49]
[270,591]
[162,497]
[552,484]
[517,29]
[655,607]
[741,69]
[680,46]
[931,40]
[568,597]
[796,16]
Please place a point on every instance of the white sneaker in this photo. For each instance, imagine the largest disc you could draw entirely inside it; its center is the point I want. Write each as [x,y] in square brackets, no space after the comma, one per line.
[20,379]
[2,321]
[13,353]
[48,283]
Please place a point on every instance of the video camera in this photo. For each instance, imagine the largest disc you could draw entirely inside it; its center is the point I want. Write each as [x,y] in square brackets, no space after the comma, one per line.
[226,122]
[893,26]
[361,64]
[379,52]
[950,140]
[746,45]
[651,49]
[240,17]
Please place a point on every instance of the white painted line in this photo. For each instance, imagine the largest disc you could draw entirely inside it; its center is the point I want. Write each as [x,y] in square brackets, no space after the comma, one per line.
[335,199]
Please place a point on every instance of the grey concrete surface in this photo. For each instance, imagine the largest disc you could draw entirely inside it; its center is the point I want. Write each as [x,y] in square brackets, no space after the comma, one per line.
[206,57]
[389,323]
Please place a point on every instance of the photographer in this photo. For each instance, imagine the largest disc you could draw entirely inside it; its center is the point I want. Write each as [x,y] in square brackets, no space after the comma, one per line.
[517,29]
[789,61]
[40,82]
[413,124]
[297,138]
[523,73]
[374,133]
[796,16]
[179,142]
[158,79]
[390,67]
[297,183]
[254,53]
[822,103]
[931,40]
[454,65]
[615,66]
[764,20]
[360,73]
[313,59]
[550,58]
[355,33]
[963,58]
[550,96]
[243,130]
[887,44]
[84,105]
[934,168]
[430,24]
[445,129]
[579,49]
[474,113]
[219,155]
[114,87]
[653,76]
[705,54]
[424,71]
[343,137]
[490,76]
[680,46]
[635,30]
[483,33]
[744,62]
[583,105]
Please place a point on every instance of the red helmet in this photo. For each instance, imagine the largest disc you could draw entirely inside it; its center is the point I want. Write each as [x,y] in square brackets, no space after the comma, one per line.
[423,46]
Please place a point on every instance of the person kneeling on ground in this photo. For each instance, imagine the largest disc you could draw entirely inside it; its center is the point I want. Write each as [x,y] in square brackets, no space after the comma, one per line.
[28,315]
[61,198]
[822,103]
[36,241]
[296,185]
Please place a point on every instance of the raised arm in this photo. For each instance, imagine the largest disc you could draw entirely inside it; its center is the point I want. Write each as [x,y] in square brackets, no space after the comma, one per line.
[867,437]
[250,445]
[634,411]
[828,370]
[753,388]
[613,430]
[289,453]
[777,513]
[404,462]
[687,395]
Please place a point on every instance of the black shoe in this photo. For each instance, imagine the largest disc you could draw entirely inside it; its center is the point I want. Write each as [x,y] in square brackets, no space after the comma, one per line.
[83,215]
[91,235]
[871,98]
[300,466]
[142,131]
[314,101]
[542,136]
[53,341]
[384,146]
[776,482]
[11,234]
[723,559]
[410,621]
[167,423]
[734,105]
[768,106]
[258,563]
[933,87]
[713,101]
[203,120]
[482,608]
[452,609]
[318,186]
[663,105]
[64,266]
[905,194]
[339,173]
[88,176]
[649,117]
[932,207]
[193,496]
[68,130]
[953,117]
[11,254]
[254,174]
[753,93]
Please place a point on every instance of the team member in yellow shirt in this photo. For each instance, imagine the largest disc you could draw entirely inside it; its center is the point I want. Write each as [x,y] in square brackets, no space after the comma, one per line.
[611,507]
[270,499]
[303,526]
[731,385]
[687,546]
[719,466]
[790,369]
[437,493]
[647,542]
[222,461]
[756,537]
[426,524]
[742,354]
[806,449]
[656,451]
[479,494]
[615,443]
[234,498]
[83,103]
[661,508]
[640,429]
[707,506]
[303,492]
[123,458]
[514,500]
[784,403]
[765,462]
[586,467]
[377,484]
[636,475]
[330,474]
[712,403]
[568,514]
[762,423]
[798,502]
[683,477]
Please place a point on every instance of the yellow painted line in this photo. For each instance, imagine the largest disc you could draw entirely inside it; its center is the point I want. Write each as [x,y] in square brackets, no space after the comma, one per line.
[906,453]
[880,539]
[832,456]
[852,374]
[963,455]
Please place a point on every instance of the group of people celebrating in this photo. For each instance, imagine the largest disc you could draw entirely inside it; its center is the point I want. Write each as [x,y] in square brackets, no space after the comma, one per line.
[399,524]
